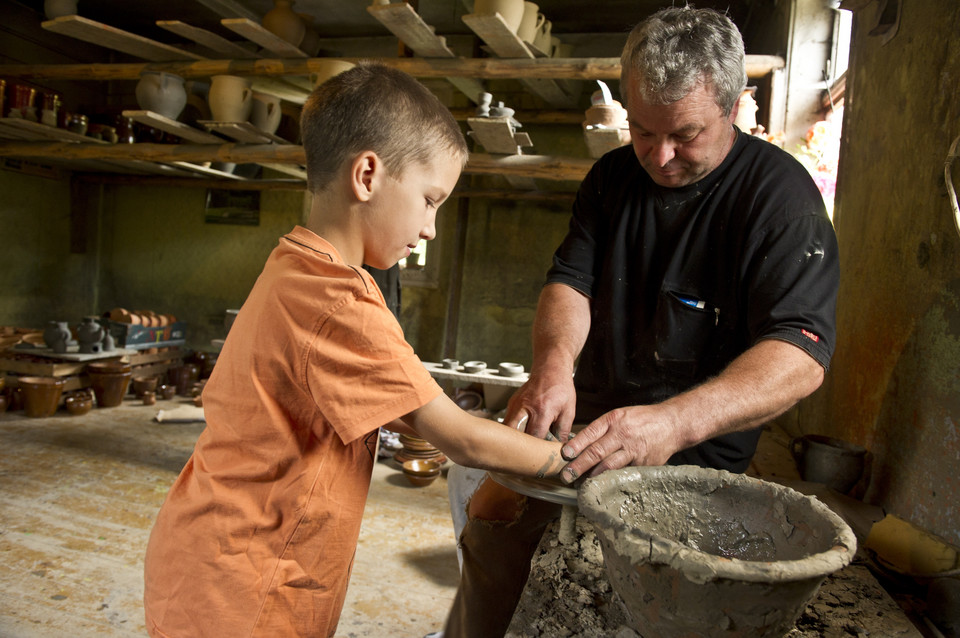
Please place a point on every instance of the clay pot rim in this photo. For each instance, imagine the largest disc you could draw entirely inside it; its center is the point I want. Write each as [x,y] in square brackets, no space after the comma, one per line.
[41,381]
[700,565]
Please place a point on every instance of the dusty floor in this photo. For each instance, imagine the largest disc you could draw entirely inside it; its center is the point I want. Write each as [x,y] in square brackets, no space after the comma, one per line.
[78,495]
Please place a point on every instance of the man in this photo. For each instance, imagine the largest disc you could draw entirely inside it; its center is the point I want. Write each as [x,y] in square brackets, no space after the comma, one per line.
[694,297]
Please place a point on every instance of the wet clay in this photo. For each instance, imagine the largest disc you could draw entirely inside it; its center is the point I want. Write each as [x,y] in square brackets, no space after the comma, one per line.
[693,551]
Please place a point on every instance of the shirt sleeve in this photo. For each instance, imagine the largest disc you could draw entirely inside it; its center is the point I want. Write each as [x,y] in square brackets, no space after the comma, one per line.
[362,373]
[792,276]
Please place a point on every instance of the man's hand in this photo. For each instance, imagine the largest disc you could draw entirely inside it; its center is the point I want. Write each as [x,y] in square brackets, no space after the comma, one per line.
[548,400]
[636,435]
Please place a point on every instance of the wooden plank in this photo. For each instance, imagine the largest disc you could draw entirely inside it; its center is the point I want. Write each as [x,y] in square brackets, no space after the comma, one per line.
[286,169]
[112,38]
[206,171]
[181,130]
[405,23]
[255,32]
[496,135]
[242,132]
[208,39]
[505,44]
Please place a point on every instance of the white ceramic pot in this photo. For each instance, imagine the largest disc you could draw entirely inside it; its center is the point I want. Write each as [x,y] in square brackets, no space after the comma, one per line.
[161,93]
[542,40]
[230,98]
[265,112]
[510,10]
[531,22]
[328,69]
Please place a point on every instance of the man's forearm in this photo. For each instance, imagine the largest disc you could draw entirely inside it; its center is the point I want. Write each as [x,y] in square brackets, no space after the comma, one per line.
[560,327]
[759,385]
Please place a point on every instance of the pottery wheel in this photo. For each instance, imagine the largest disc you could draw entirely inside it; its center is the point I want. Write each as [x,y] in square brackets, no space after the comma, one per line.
[546,489]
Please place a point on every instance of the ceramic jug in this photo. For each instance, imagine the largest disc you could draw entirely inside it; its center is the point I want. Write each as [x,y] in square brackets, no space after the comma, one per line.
[542,40]
[90,335]
[57,336]
[283,22]
[265,112]
[510,10]
[56,8]
[531,22]
[162,93]
[231,98]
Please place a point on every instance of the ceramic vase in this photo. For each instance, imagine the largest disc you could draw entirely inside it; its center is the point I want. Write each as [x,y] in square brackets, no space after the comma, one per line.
[162,93]
[510,10]
[90,336]
[283,22]
[41,395]
[231,98]
[56,8]
[265,112]
[57,336]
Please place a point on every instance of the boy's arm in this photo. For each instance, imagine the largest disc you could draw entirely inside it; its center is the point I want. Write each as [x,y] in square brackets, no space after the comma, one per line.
[482,443]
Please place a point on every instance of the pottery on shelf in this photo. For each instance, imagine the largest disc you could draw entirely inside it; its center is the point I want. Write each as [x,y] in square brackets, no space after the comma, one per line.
[284,22]
[90,336]
[265,112]
[162,93]
[510,10]
[531,22]
[57,336]
[230,98]
[328,69]
[41,395]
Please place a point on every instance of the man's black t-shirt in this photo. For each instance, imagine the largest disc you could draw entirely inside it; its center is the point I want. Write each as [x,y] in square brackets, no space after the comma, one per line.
[684,280]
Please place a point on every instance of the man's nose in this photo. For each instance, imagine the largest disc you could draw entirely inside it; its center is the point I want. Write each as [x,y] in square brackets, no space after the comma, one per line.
[662,152]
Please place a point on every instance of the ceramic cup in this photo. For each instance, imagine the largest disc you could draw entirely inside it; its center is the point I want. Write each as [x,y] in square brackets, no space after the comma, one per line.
[231,98]
[531,22]
[542,39]
[265,112]
[510,10]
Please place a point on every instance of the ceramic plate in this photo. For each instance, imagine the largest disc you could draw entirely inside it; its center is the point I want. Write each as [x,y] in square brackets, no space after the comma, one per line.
[546,489]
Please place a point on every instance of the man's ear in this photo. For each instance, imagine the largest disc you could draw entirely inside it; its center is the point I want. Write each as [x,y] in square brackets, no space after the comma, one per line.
[365,173]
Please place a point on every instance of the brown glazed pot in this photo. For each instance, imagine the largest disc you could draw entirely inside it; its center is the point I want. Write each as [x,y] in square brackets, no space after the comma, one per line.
[41,395]
[109,387]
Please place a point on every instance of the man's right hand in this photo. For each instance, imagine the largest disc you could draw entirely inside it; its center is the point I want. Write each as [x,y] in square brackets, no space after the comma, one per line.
[549,401]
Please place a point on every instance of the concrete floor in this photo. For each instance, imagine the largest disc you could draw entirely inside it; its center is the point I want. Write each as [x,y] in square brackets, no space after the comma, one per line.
[78,495]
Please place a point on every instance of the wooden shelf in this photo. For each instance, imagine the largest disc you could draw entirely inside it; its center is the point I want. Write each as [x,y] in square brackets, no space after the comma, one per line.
[255,33]
[207,39]
[116,39]
[505,44]
[405,23]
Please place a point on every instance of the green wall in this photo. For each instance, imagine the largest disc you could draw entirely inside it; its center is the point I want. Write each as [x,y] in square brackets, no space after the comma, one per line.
[894,385]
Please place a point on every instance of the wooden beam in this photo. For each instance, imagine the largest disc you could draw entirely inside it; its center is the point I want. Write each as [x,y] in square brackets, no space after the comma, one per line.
[535,166]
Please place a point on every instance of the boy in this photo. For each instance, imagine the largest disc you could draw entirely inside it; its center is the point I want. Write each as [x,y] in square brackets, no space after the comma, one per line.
[257,535]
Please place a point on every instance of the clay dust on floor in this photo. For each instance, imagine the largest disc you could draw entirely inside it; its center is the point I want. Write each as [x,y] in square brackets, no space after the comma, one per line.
[78,495]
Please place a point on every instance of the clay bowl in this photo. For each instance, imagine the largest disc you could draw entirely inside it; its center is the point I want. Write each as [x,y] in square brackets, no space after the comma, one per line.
[144,384]
[701,552]
[41,395]
[421,472]
[78,403]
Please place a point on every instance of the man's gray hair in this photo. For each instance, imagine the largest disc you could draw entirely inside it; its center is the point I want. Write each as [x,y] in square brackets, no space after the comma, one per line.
[676,48]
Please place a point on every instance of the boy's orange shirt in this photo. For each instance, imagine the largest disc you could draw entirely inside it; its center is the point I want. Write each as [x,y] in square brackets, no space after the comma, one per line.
[257,535]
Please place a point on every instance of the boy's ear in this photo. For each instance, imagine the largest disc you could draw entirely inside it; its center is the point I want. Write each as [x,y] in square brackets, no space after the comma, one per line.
[365,172]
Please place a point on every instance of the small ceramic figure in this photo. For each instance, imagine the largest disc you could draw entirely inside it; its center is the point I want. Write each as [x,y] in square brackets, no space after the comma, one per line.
[483,106]
[90,336]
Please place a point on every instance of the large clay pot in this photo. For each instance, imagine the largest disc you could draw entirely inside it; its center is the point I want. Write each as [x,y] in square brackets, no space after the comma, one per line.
[57,336]
[41,395]
[109,387]
[161,93]
[510,10]
[328,69]
[823,459]
[284,22]
[231,98]
[265,112]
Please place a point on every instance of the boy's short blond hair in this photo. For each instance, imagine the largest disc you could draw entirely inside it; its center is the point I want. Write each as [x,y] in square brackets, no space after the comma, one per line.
[372,107]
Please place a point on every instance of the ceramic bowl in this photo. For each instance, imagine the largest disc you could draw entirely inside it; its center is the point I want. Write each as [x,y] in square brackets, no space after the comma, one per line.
[510,369]
[78,403]
[421,472]
[451,364]
[474,367]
